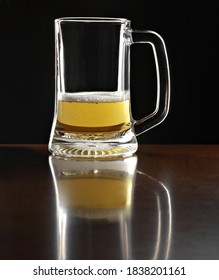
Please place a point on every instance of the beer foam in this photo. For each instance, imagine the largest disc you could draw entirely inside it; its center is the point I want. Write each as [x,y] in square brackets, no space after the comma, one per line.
[94,97]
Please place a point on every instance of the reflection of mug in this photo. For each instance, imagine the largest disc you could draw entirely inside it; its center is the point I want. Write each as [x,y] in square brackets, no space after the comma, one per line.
[94,187]
[93,194]
[110,210]
[92,111]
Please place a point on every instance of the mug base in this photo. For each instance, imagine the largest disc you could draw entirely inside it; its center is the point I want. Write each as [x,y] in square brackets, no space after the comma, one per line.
[121,148]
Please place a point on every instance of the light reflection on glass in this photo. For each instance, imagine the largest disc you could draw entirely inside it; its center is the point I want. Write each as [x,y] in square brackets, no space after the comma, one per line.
[98,210]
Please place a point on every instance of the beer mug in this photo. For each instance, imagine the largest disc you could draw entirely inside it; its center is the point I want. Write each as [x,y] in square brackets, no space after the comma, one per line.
[93,116]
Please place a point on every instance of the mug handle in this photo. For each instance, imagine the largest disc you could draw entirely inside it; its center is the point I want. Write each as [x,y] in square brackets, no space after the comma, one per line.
[163,80]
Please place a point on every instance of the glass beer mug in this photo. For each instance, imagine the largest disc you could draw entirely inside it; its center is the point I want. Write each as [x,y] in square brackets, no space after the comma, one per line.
[93,116]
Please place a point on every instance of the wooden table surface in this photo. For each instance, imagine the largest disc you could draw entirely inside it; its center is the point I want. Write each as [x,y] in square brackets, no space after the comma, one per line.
[166,208]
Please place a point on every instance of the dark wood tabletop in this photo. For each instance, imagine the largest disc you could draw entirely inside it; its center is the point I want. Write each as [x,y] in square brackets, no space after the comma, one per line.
[162,203]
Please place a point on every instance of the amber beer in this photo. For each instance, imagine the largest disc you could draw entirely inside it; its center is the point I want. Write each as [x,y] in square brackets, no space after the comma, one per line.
[97,113]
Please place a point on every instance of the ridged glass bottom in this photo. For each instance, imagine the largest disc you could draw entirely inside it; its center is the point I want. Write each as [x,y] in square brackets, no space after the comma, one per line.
[103,150]
[124,146]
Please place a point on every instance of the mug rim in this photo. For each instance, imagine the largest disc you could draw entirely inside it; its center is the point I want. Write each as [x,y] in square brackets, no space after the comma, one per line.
[93,19]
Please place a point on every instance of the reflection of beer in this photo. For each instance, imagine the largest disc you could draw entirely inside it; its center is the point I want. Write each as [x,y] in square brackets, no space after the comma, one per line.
[103,190]
[94,112]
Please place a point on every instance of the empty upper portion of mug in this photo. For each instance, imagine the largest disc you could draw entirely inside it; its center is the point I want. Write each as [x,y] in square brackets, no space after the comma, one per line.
[92,54]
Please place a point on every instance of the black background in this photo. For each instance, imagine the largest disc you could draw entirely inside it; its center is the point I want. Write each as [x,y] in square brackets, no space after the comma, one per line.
[190,30]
